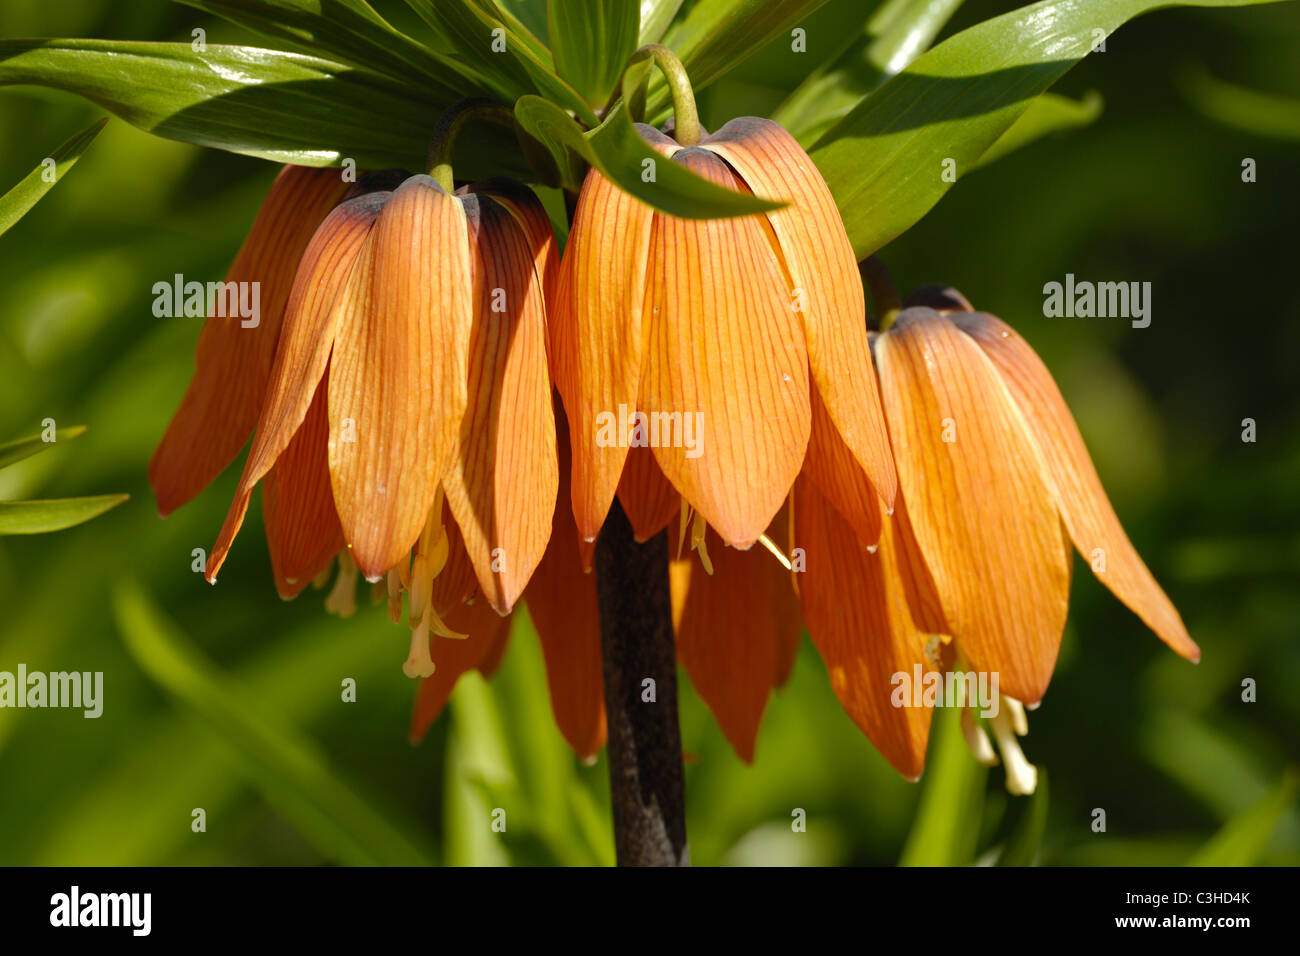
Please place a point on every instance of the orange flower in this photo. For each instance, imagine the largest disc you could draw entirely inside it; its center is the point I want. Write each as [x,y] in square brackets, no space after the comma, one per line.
[233,362]
[727,345]
[993,476]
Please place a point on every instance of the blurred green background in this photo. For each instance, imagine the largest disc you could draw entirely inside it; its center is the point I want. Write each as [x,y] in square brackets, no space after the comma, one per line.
[228,699]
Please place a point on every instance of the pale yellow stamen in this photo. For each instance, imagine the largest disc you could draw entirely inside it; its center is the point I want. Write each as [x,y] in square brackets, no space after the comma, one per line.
[698,532]
[342,599]
[977,740]
[768,543]
[395,595]
[681,528]
[323,578]
[440,626]
[421,588]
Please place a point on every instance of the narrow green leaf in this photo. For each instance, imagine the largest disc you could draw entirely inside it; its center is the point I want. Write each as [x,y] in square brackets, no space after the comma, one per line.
[619,152]
[351,31]
[1251,111]
[885,160]
[280,106]
[1244,839]
[947,822]
[591,41]
[31,188]
[1048,113]
[53,514]
[898,32]
[17,450]
[1026,839]
[285,765]
[656,17]
[483,34]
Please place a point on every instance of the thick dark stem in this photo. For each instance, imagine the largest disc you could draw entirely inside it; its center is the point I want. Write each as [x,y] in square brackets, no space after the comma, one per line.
[645,744]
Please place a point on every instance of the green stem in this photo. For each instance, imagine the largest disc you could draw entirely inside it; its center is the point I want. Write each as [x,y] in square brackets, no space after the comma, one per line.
[686,118]
[445,131]
[884,294]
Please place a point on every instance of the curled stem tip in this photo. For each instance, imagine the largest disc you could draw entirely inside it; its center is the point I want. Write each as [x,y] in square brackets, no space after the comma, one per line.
[443,140]
[686,118]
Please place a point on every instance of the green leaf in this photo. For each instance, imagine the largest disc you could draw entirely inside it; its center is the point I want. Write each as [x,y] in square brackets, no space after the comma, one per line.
[1245,838]
[897,33]
[718,35]
[1026,838]
[31,188]
[285,107]
[1047,114]
[280,761]
[1251,111]
[53,514]
[656,16]
[351,30]
[884,160]
[947,823]
[474,26]
[17,450]
[591,41]
[618,151]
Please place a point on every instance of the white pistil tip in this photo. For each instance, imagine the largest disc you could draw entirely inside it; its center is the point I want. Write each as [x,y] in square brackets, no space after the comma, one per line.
[419,663]
[1022,776]
[1018,719]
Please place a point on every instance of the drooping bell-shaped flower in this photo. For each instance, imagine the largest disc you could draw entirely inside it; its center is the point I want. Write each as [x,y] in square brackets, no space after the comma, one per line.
[724,344]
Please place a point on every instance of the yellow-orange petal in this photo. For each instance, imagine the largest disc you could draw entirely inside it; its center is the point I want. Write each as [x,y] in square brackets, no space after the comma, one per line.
[456,583]
[839,477]
[825,283]
[503,478]
[397,383]
[734,632]
[321,289]
[561,600]
[1085,509]
[220,407]
[649,500]
[597,337]
[726,373]
[302,529]
[981,512]
[870,616]
[487,632]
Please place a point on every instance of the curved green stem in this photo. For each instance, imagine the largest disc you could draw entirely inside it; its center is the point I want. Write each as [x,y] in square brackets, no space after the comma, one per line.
[445,131]
[686,118]
[884,294]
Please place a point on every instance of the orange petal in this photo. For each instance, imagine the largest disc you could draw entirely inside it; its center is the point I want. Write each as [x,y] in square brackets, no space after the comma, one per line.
[502,482]
[302,528]
[561,601]
[649,501]
[821,264]
[487,632]
[734,632]
[311,320]
[871,616]
[1086,510]
[596,330]
[985,520]
[839,477]
[726,374]
[456,583]
[397,389]
[220,407]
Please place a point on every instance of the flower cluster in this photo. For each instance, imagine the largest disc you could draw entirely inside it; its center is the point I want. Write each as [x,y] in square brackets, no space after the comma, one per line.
[429,396]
